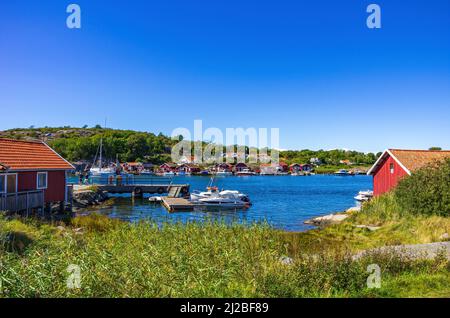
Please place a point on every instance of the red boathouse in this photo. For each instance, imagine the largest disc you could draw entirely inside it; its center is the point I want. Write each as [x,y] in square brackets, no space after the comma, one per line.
[394,164]
[32,175]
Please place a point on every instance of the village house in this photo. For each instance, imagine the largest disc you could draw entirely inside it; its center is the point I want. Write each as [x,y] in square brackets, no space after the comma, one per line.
[32,175]
[296,168]
[240,166]
[168,167]
[133,167]
[223,167]
[394,164]
[273,168]
[315,161]
[188,168]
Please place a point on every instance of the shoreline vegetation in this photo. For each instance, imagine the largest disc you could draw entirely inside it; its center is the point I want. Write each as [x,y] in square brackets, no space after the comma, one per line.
[81,144]
[119,259]
[146,259]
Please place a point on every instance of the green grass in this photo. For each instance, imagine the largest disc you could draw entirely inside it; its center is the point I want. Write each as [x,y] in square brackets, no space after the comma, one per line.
[119,259]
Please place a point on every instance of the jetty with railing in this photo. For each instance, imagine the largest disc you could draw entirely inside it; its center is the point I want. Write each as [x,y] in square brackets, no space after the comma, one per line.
[137,186]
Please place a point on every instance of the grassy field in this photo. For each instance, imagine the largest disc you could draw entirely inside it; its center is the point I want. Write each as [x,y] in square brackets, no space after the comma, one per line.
[119,259]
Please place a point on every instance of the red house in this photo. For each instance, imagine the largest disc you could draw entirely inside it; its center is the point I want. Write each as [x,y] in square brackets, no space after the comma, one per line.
[394,164]
[168,167]
[31,175]
[240,166]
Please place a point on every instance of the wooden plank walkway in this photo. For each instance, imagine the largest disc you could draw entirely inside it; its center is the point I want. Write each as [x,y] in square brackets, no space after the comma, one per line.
[143,188]
[175,204]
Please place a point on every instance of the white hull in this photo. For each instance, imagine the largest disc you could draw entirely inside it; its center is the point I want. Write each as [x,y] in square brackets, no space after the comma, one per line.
[224,173]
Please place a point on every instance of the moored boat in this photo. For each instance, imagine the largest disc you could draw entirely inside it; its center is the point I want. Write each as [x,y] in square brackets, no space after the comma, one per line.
[364,196]
[344,172]
[245,172]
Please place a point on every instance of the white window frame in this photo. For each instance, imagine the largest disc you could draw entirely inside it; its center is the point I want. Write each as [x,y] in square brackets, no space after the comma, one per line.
[37,181]
[6,182]
[392,168]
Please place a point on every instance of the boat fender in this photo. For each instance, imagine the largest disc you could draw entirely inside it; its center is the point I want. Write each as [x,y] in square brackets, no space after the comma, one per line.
[137,190]
[160,190]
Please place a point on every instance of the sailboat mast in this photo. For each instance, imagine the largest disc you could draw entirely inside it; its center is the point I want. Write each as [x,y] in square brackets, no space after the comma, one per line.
[101,150]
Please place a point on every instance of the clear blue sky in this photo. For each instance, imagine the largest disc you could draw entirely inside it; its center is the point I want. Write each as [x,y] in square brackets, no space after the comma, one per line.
[311,68]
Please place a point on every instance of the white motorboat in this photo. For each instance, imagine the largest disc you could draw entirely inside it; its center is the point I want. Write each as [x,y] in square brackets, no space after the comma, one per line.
[213,192]
[168,174]
[224,173]
[218,201]
[343,172]
[97,171]
[245,172]
[197,195]
[364,196]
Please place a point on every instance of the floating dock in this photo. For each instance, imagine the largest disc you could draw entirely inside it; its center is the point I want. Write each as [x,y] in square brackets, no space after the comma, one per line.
[176,204]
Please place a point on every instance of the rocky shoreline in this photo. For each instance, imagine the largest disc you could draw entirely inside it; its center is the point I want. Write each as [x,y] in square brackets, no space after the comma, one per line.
[86,197]
[333,218]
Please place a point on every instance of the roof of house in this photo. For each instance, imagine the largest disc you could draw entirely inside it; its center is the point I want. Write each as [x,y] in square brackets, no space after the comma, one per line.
[30,155]
[410,160]
[133,163]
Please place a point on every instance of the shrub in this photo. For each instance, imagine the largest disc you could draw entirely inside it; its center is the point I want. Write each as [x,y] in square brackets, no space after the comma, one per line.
[426,191]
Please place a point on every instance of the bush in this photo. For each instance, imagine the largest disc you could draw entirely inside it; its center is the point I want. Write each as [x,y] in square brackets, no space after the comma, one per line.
[426,191]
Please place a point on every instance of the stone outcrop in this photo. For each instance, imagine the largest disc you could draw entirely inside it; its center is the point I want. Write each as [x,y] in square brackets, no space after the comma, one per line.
[86,198]
[327,219]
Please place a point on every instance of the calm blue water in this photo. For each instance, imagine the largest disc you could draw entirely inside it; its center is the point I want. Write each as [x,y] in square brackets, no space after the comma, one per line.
[283,201]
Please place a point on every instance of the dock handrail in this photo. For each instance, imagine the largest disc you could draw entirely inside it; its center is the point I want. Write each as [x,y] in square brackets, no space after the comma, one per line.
[129,180]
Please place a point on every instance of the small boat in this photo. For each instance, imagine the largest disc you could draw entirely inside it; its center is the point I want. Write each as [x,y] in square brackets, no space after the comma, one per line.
[168,174]
[99,170]
[218,201]
[213,192]
[364,196]
[343,172]
[204,172]
[296,174]
[155,199]
[224,173]
[245,172]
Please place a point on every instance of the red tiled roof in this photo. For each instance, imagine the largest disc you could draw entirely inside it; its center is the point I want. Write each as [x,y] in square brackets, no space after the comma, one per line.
[416,159]
[410,159]
[30,155]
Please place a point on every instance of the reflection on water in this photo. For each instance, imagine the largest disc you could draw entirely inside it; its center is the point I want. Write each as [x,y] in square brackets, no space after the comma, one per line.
[283,201]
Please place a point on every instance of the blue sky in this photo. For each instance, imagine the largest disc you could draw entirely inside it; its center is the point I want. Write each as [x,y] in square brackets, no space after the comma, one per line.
[311,68]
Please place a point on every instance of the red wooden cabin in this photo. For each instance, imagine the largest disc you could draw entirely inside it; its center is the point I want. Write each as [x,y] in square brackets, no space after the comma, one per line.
[394,164]
[31,175]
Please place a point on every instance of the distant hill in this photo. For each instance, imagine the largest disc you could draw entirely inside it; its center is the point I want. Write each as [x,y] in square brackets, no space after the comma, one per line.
[81,144]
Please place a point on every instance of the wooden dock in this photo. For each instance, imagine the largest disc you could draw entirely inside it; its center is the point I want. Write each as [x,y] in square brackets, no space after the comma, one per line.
[139,189]
[176,204]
